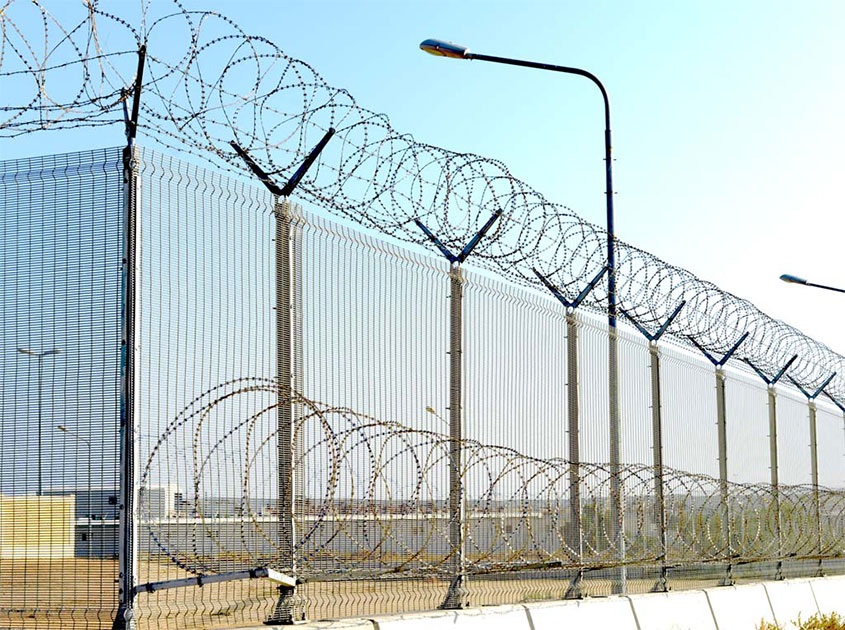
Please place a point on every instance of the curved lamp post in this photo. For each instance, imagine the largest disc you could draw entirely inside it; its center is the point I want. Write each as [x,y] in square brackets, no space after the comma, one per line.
[796,280]
[447,49]
[40,356]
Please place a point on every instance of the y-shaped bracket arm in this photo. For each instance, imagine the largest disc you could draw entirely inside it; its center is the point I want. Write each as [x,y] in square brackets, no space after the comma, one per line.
[656,336]
[131,121]
[719,362]
[584,292]
[814,395]
[835,402]
[771,381]
[292,183]
[467,250]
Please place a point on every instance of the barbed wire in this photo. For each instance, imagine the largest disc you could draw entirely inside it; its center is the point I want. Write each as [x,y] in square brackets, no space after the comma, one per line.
[377,494]
[207,82]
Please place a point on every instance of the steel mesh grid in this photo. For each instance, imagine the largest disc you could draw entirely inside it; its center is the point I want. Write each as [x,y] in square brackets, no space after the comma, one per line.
[831,445]
[515,395]
[61,220]
[372,486]
[205,368]
[374,342]
[793,438]
[747,428]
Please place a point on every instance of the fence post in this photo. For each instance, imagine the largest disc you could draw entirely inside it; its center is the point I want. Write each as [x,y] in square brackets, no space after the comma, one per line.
[814,472]
[725,511]
[773,452]
[128,525]
[814,460]
[575,535]
[289,607]
[128,474]
[657,445]
[773,467]
[657,434]
[619,582]
[721,429]
[457,595]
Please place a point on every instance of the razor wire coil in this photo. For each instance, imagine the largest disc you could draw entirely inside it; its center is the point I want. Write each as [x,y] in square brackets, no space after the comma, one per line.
[225,84]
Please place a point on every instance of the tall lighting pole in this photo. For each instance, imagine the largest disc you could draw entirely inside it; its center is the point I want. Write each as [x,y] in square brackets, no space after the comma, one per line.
[40,356]
[90,511]
[447,49]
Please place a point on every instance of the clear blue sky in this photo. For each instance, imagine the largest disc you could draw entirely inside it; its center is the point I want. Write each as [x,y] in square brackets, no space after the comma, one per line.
[727,118]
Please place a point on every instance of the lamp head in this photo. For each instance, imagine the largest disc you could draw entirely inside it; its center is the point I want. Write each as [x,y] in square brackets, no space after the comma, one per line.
[62,428]
[793,279]
[444,49]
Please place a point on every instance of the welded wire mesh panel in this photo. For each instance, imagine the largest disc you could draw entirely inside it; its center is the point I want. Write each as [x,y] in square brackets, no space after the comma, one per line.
[206,397]
[830,427]
[635,397]
[515,396]
[689,412]
[61,221]
[747,428]
[428,412]
[373,475]
[593,372]
[794,467]
[690,444]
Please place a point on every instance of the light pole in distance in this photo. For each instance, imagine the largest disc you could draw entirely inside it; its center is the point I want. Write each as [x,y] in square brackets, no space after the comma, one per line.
[79,438]
[40,356]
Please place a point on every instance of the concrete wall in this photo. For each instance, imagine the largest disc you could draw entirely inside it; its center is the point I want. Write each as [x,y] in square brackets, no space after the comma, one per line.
[36,527]
[723,608]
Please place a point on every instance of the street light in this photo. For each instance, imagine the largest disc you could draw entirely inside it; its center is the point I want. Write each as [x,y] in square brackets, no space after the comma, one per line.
[454,51]
[442,48]
[89,514]
[40,356]
[796,280]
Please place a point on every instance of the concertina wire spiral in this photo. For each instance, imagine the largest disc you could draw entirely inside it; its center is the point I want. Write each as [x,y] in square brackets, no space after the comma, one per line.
[223,84]
[518,512]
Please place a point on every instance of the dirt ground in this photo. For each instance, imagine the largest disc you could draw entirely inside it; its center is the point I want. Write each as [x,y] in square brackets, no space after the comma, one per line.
[82,594]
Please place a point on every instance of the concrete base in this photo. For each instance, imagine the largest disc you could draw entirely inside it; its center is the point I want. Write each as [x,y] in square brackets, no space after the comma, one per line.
[720,608]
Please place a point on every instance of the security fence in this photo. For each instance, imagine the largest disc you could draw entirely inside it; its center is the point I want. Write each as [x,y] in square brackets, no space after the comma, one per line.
[220,407]
[391,430]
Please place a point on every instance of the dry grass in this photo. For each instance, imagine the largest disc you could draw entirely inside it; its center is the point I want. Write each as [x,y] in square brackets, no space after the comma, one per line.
[833,621]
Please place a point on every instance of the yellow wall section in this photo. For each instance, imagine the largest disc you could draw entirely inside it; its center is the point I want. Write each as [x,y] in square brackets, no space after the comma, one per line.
[36,527]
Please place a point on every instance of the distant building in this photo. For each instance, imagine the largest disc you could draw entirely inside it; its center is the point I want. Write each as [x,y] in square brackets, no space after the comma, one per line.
[161,502]
[99,503]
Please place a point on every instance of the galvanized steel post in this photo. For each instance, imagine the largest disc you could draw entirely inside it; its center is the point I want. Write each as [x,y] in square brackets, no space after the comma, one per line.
[456,596]
[128,491]
[657,447]
[773,467]
[574,534]
[724,511]
[288,607]
[814,473]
